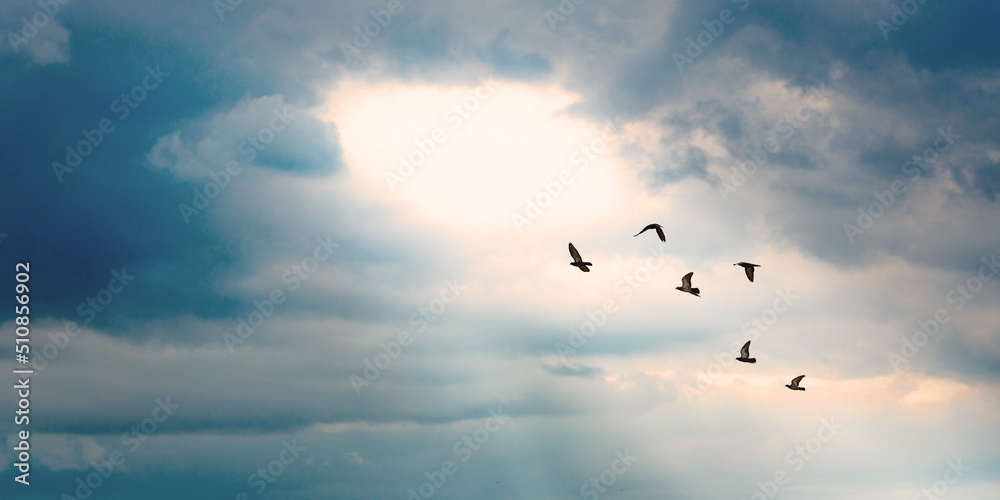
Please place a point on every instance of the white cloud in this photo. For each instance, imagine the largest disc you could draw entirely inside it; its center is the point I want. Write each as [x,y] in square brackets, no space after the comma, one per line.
[66,451]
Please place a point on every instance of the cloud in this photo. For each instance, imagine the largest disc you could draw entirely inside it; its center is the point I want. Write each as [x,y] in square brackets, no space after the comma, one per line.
[51,46]
[64,452]
[572,369]
[252,132]
[38,35]
[354,458]
[330,130]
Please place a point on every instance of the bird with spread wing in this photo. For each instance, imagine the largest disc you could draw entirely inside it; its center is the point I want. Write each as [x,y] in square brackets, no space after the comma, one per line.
[686,285]
[745,354]
[577,261]
[748,267]
[795,384]
[657,227]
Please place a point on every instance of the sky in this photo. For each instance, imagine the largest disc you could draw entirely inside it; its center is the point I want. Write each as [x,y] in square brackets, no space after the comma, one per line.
[315,250]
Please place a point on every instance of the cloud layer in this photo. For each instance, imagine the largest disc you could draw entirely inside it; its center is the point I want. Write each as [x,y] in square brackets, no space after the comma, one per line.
[325,255]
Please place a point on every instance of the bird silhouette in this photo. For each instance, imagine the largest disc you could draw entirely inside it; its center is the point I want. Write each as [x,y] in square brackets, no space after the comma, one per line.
[657,227]
[577,261]
[748,267]
[745,354]
[686,285]
[795,384]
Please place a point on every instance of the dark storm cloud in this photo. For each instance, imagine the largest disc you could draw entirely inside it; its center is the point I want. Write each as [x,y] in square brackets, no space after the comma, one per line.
[162,336]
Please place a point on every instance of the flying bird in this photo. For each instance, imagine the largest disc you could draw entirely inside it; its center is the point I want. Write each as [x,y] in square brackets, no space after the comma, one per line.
[577,261]
[795,384]
[748,267]
[745,354]
[686,285]
[657,227]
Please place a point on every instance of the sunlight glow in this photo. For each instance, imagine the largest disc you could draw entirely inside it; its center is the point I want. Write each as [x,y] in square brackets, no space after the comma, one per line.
[476,152]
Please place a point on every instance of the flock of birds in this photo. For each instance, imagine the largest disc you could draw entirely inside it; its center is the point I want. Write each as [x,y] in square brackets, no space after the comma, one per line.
[584,266]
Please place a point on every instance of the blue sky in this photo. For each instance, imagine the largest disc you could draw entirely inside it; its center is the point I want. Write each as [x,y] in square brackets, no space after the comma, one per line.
[275,257]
